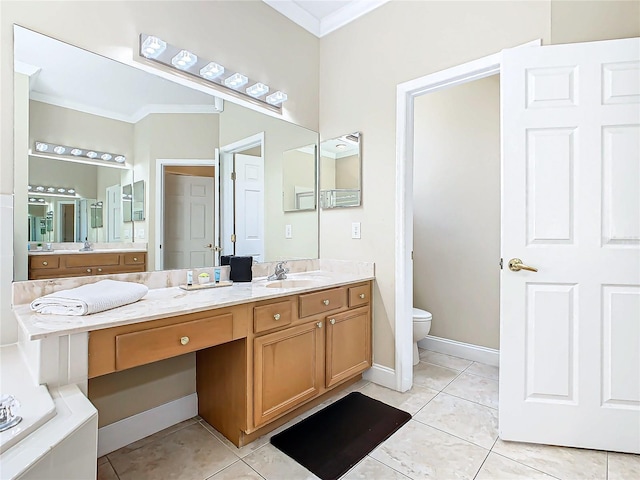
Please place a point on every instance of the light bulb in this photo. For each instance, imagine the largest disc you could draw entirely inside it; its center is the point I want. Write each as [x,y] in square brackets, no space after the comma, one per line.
[236,80]
[92,154]
[211,70]
[152,47]
[40,189]
[277,98]
[105,156]
[59,150]
[184,59]
[120,159]
[258,90]
[76,152]
[41,147]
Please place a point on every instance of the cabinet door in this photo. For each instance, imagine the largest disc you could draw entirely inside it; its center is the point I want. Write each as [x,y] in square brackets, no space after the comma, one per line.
[348,346]
[288,368]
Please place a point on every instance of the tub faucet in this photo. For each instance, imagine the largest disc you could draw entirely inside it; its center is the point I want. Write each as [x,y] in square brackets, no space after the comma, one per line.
[8,408]
[280,273]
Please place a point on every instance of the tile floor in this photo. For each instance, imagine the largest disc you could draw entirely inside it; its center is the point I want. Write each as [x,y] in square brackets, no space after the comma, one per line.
[453,435]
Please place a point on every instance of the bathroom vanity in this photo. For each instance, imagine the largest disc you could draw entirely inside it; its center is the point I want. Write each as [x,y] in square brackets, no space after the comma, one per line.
[265,351]
[76,264]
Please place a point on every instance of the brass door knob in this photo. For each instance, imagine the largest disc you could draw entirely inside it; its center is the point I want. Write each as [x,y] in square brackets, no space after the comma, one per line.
[326,302]
[276,316]
[184,340]
[362,295]
[515,265]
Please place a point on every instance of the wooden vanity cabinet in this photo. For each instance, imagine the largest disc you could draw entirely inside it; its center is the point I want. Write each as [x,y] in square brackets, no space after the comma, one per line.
[294,365]
[83,264]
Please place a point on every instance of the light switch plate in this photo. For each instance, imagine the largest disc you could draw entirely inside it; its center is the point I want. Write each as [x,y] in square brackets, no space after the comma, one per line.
[140,233]
[287,231]
[355,230]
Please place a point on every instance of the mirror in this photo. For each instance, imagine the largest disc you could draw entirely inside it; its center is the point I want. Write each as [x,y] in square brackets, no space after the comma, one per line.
[299,179]
[104,105]
[127,202]
[341,171]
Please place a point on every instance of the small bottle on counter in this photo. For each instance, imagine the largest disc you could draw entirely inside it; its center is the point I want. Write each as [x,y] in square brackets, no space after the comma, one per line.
[216,274]
[189,277]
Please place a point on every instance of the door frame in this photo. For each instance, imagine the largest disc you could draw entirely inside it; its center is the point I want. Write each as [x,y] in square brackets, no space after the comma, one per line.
[406,94]
[159,210]
[227,215]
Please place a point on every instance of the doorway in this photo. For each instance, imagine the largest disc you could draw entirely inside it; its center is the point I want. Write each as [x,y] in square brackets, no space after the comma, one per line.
[187,220]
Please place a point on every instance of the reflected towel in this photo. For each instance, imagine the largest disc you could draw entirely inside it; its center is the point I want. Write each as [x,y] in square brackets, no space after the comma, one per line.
[88,299]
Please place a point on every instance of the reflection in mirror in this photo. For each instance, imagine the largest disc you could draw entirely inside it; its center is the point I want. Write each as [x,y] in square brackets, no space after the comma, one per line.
[110,107]
[137,205]
[299,178]
[127,201]
[341,171]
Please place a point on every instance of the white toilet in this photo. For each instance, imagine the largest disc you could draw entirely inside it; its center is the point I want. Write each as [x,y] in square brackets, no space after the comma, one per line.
[421,327]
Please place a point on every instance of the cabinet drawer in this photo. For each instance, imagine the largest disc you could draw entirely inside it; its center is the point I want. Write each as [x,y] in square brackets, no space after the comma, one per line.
[92,260]
[359,295]
[320,302]
[134,258]
[274,315]
[146,346]
[42,261]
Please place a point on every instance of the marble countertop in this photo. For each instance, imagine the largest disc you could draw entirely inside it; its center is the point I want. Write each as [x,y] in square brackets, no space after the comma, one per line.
[171,301]
[97,250]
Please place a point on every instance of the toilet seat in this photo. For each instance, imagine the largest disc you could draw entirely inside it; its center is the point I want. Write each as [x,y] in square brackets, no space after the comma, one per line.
[420,315]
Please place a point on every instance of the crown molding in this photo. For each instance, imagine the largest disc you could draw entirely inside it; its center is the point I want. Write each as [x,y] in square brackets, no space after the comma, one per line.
[296,14]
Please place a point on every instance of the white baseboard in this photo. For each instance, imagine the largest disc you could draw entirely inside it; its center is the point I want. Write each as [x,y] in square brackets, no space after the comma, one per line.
[381,375]
[143,424]
[475,353]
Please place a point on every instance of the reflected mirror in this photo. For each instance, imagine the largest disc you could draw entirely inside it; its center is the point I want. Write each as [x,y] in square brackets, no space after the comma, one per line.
[341,171]
[299,178]
[111,107]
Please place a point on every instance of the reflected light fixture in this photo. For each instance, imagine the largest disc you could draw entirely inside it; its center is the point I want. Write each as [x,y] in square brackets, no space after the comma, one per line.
[101,158]
[157,50]
[50,191]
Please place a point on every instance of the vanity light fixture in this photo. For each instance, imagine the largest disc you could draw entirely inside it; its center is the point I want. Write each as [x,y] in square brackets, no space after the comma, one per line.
[184,59]
[157,50]
[277,98]
[48,148]
[47,191]
[152,47]
[236,80]
[258,90]
[341,146]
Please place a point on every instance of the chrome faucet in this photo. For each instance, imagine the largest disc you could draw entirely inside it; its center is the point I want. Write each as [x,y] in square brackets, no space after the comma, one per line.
[280,273]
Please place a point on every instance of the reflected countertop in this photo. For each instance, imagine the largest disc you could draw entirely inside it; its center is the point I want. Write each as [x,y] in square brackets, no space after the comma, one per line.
[85,252]
[166,302]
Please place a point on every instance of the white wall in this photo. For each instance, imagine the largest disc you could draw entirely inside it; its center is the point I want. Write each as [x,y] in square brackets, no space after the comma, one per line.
[456,220]
[362,63]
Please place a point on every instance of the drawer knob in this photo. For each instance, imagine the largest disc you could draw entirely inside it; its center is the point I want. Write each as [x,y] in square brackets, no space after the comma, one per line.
[276,316]
[88,270]
[332,321]
[184,340]
[135,259]
[99,269]
[319,324]
[326,302]
[361,295]
[45,263]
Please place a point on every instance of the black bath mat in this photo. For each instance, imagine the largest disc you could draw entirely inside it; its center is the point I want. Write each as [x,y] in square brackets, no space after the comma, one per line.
[331,441]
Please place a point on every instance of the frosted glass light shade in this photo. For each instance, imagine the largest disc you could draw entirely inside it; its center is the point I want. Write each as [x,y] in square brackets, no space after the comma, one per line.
[42,147]
[184,59]
[152,47]
[120,159]
[106,156]
[59,150]
[92,154]
[258,90]
[236,80]
[211,71]
[76,152]
[276,98]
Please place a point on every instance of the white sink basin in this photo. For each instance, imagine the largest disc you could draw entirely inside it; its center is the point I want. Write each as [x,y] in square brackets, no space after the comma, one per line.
[293,283]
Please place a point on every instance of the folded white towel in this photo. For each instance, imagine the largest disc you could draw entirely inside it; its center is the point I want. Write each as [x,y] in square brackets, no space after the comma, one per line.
[88,299]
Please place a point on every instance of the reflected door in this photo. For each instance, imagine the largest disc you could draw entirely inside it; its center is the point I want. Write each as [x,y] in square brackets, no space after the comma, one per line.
[249,206]
[114,213]
[188,221]
[570,332]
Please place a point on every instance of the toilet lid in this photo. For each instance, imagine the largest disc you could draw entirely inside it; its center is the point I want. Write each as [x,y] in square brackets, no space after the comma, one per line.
[421,314]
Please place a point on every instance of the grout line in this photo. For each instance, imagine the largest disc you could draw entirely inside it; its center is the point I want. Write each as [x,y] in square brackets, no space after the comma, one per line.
[482,464]
[113,468]
[452,434]
[525,465]
[472,401]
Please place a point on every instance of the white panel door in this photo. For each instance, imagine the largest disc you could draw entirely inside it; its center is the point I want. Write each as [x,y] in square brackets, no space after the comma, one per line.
[570,333]
[188,221]
[249,206]
[114,213]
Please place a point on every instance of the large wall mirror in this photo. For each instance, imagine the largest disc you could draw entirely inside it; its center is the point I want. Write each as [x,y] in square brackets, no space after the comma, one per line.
[170,136]
[341,167]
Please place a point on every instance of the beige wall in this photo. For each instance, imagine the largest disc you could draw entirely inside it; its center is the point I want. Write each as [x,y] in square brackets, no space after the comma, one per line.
[360,67]
[298,170]
[456,220]
[348,172]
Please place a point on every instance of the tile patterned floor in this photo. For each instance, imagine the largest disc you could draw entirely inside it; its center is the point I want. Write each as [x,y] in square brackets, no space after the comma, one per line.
[453,435]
